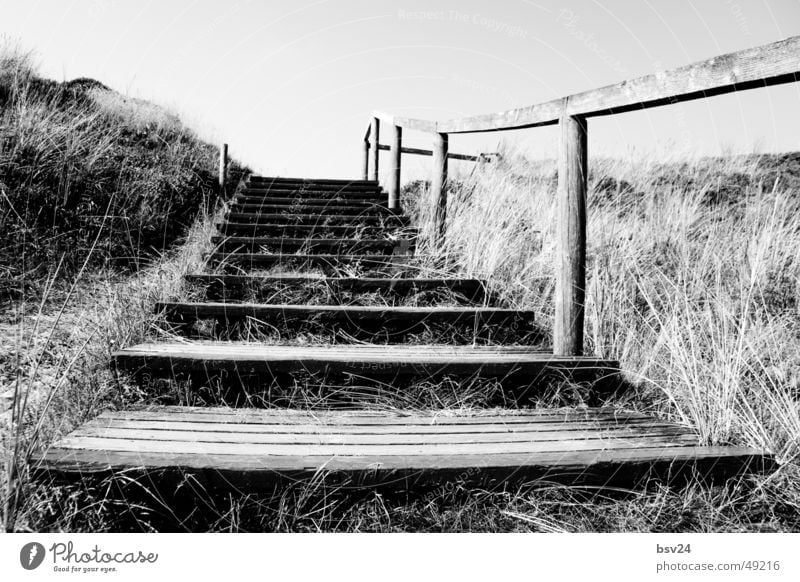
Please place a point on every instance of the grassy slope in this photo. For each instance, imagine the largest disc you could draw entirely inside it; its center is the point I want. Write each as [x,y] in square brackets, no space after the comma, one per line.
[692,284]
[89,175]
[95,191]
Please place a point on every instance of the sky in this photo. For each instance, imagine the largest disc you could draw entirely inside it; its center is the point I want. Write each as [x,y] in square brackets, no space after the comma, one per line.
[290,84]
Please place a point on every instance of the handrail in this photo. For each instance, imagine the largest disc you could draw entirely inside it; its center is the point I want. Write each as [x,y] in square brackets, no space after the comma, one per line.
[485,156]
[772,64]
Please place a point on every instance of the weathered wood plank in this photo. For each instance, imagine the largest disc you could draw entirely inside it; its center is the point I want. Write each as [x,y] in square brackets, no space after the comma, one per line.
[349,316]
[762,66]
[312,219]
[249,456]
[287,244]
[358,359]
[472,288]
[571,225]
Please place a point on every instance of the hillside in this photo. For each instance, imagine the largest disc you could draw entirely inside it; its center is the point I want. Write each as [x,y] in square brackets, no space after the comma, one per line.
[90,176]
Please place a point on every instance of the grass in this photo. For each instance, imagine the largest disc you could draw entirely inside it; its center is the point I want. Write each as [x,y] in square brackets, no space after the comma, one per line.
[692,283]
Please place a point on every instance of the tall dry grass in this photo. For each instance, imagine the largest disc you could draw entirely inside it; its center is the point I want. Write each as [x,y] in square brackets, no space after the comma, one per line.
[78,159]
[693,278]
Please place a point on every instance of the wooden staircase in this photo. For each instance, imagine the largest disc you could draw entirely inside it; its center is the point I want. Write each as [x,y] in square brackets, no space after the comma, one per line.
[327,257]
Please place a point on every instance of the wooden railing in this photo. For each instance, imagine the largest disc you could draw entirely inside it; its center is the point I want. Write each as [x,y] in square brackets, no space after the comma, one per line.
[763,66]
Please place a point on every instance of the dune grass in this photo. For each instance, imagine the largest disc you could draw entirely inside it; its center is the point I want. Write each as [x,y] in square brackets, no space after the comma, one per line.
[692,284]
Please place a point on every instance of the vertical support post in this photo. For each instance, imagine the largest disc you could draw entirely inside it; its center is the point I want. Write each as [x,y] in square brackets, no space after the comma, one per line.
[439,183]
[223,167]
[395,153]
[365,161]
[374,140]
[571,224]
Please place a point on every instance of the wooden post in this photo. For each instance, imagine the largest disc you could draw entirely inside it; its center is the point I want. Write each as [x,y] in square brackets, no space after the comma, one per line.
[365,161]
[374,140]
[439,183]
[395,153]
[571,224]
[223,167]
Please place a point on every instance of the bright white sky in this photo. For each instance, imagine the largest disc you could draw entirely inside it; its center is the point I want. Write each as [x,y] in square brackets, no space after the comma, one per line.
[290,84]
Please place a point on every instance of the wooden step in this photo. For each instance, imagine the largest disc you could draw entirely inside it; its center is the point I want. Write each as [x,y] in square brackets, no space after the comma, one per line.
[340,245]
[318,188]
[254,450]
[312,218]
[385,263]
[353,318]
[360,195]
[362,360]
[472,289]
[313,230]
[335,209]
[311,181]
[308,201]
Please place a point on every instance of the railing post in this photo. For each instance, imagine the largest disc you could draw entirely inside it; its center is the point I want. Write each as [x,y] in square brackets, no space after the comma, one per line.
[439,183]
[223,167]
[374,140]
[395,153]
[571,224]
[365,161]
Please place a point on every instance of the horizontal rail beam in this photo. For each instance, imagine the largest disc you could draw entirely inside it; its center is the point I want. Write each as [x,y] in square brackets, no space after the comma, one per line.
[763,66]
[421,152]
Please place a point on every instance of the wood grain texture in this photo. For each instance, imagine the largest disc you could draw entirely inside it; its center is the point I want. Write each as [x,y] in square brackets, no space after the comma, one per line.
[311,218]
[571,234]
[473,289]
[251,448]
[367,360]
[288,244]
[762,66]
[345,314]
[259,228]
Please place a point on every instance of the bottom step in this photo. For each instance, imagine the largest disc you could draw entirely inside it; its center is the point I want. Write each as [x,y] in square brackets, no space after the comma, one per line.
[249,449]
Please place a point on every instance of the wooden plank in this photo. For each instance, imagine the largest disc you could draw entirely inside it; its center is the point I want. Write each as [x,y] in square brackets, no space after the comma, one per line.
[357,359]
[285,244]
[405,122]
[347,315]
[239,453]
[312,219]
[474,288]
[571,224]
[310,182]
[315,190]
[328,261]
[332,200]
[257,228]
[421,152]
[762,66]
[301,207]
[244,473]
[376,419]
[329,201]
[257,194]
